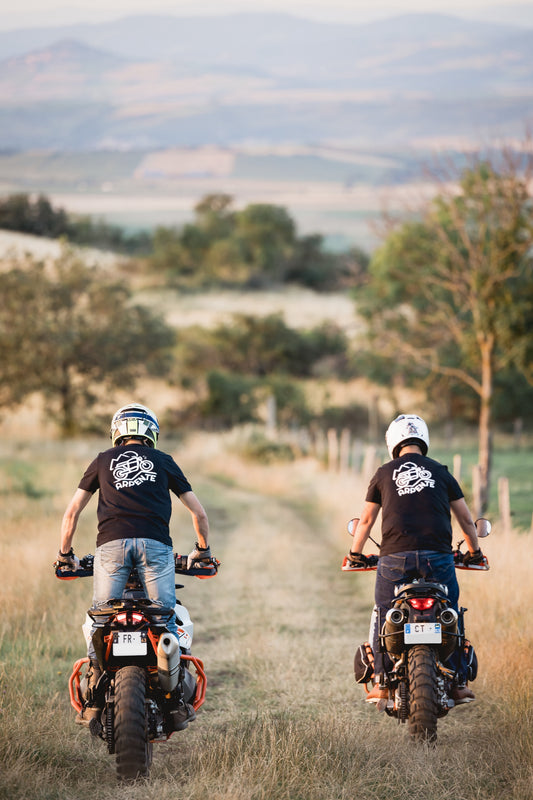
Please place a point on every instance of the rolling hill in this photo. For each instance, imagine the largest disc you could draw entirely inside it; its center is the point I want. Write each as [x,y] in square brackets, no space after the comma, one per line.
[152,82]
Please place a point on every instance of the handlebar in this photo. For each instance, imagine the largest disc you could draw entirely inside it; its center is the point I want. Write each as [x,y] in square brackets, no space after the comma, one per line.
[483,528]
[458,556]
[201,570]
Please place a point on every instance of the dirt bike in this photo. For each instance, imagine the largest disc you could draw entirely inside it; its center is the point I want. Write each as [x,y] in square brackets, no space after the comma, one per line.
[146,689]
[419,634]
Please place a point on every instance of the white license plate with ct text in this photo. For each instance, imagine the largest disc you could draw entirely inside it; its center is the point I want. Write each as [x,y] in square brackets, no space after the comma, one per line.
[129,643]
[422,633]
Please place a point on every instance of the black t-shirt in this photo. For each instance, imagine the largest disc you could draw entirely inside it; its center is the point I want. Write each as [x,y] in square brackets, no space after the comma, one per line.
[134,501]
[414,493]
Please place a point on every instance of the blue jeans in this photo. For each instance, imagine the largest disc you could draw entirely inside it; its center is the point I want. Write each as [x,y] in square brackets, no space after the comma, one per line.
[155,565]
[399,568]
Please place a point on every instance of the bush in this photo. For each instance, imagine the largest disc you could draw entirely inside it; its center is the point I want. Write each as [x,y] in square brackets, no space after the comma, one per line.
[267,451]
[230,400]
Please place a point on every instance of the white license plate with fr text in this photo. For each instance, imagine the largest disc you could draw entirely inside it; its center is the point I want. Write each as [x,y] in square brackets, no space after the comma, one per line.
[129,643]
[422,633]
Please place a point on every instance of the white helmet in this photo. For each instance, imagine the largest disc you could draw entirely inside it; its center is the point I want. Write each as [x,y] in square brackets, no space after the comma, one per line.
[407,429]
[134,421]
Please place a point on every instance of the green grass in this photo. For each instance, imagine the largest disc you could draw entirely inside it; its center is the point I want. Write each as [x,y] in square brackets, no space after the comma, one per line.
[509,461]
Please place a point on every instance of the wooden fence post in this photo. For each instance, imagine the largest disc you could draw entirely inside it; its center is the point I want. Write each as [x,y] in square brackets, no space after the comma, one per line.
[476,490]
[333,450]
[504,503]
[344,451]
[357,451]
[369,463]
[320,445]
[271,421]
[457,467]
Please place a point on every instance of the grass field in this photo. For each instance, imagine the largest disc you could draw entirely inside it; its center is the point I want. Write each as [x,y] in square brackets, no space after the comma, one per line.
[277,630]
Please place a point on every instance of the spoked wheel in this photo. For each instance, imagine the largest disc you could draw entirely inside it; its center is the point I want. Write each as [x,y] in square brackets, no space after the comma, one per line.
[132,748]
[423,706]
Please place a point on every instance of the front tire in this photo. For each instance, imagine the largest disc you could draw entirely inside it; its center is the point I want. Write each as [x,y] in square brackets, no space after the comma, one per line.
[423,706]
[132,749]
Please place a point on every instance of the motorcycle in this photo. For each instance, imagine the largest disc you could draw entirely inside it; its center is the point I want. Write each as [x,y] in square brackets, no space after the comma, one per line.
[419,634]
[146,690]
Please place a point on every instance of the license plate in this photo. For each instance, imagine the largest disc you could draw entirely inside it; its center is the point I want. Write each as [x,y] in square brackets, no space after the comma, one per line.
[422,633]
[129,643]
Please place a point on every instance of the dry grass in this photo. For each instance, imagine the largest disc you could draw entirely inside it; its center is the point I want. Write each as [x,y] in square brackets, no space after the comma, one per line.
[301,308]
[277,630]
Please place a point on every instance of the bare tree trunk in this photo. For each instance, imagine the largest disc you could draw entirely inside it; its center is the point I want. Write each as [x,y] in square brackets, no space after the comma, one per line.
[67,422]
[485,415]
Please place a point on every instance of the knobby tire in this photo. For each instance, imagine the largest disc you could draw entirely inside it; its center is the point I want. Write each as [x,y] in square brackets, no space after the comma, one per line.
[133,751]
[423,706]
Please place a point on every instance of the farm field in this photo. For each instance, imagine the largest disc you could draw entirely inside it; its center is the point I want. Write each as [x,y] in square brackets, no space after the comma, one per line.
[340,194]
[277,630]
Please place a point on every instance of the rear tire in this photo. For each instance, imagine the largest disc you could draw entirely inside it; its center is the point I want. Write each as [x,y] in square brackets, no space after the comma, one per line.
[132,748]
[423,706]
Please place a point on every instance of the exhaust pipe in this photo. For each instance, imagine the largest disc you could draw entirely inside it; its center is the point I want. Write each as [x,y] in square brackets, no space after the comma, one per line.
[450,637]
[392,633]
[168,661]
[449,618]
[395,616]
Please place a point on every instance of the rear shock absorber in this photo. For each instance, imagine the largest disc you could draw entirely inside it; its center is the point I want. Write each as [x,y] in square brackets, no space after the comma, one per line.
[109,733]
[404,701]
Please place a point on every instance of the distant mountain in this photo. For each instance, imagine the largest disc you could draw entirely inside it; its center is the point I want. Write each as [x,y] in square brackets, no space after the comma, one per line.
[261,41]
[150,82]
[65,70]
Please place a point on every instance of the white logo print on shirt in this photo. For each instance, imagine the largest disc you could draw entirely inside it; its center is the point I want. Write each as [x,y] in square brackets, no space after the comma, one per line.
[410,478]
[131,469]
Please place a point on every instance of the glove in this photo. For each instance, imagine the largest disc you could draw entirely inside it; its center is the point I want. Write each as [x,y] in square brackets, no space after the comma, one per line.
[68,560]
[198,554]
[358,560]
[474,558]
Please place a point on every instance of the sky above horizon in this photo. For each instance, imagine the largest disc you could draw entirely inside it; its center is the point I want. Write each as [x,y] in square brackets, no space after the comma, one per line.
[32,13]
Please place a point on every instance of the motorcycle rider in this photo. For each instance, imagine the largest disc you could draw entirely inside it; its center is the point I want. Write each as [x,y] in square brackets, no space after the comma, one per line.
[134,481]
[415,494]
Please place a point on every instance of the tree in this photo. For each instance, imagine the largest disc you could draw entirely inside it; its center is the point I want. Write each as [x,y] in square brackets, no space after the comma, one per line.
[230,399]
[215,216]
[311,265]
[451,294]
[69,332]
[268,235]
[256,246]
[19,213]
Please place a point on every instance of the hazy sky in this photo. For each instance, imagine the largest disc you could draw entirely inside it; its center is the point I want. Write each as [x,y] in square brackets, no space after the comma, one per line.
[27,13]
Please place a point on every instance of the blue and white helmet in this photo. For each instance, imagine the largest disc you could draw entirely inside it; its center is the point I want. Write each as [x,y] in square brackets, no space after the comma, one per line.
[135,421]
[407,429]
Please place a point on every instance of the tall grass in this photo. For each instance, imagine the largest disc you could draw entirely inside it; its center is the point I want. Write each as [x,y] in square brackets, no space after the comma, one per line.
[277,630]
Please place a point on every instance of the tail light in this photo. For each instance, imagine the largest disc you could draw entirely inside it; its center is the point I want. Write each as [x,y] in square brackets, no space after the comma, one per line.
[129,617]
[421,603]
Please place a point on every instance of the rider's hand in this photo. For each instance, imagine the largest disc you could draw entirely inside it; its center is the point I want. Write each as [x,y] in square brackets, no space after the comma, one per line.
[358,560]
[198,554]
[476,558]
[68,560]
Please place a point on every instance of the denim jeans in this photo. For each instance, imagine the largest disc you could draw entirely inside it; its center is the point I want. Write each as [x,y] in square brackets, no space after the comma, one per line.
[399,568]
[155,565]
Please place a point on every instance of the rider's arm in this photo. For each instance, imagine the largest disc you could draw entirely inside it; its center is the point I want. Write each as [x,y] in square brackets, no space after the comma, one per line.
[71,516]
[199,517]
[368,517]
[464,518]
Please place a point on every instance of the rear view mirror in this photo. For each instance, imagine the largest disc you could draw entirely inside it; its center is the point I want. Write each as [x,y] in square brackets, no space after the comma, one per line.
[483,527]
[352,525]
